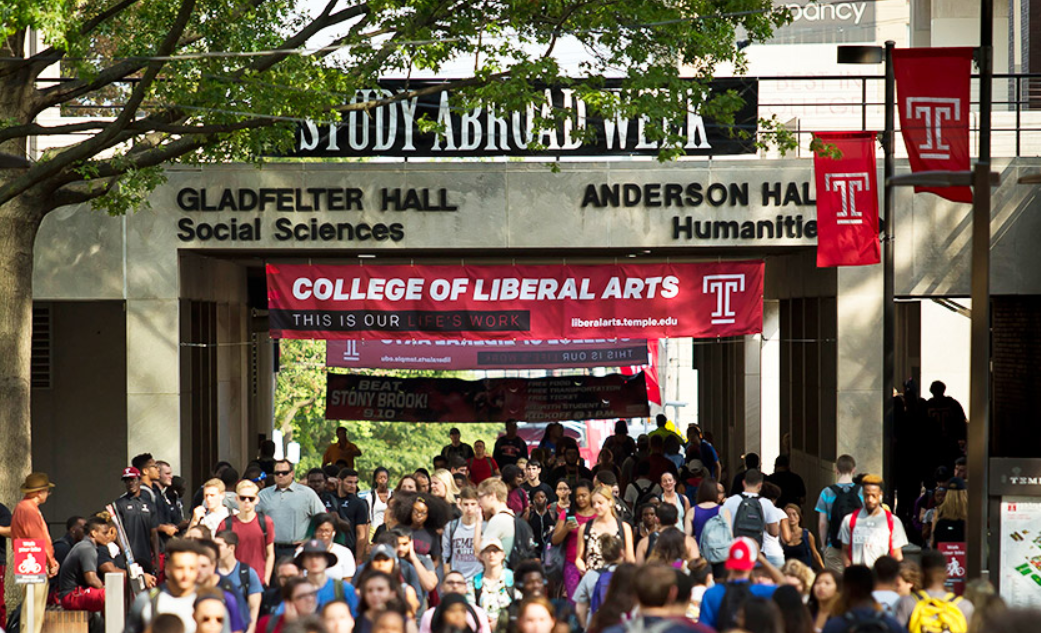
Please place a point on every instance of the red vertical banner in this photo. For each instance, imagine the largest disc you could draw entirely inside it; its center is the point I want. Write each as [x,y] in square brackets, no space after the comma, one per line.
[650,372]
[847,201]
[932,86]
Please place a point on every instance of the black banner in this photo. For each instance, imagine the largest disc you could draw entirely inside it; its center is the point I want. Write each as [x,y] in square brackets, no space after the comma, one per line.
[386,398]
[393,130]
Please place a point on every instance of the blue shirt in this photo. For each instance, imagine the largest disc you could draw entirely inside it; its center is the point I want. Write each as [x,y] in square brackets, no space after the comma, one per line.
[327,594]
[827,498]
[713,599]
[242,594]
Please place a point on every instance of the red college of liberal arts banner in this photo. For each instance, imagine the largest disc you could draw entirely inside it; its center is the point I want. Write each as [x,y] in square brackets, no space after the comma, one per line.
[385,398]
[933,101]
[463,354]
[847,201]
[516,302]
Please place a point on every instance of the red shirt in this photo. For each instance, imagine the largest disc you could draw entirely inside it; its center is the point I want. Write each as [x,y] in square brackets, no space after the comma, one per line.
[27,522]
[481,468]
[252,549]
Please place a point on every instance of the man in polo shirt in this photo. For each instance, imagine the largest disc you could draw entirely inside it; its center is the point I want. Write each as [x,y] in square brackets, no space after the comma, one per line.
[140,520]
[290,506]
[342,450]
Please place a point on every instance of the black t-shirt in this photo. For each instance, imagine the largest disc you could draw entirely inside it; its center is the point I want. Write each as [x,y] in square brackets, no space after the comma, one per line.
[464,450]
[104,556]
[62,547]
[508,451]
[139,518]
[81,559]
[570,474]
[551,495]
[5,521]
[355,511]
[332,505]
[791,485]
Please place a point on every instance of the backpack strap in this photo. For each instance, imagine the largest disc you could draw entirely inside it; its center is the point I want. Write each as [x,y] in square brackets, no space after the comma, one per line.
[272,623]
[453,526]
[263,525]
[338,590]
[244,579]
[889,523]
[853,526]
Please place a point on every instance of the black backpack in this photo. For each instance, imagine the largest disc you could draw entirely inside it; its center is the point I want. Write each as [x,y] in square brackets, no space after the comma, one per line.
[873,623]
[524,546]
[643,495]
[847,501]
[749,519]
[734,597]
[228,522]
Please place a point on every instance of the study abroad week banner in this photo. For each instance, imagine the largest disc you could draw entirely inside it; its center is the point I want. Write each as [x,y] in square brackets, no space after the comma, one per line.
[466,354]
[516,302]
[386,398]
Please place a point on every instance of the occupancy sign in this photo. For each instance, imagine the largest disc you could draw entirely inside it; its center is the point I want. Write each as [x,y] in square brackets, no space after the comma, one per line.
[386,398]
[516,302]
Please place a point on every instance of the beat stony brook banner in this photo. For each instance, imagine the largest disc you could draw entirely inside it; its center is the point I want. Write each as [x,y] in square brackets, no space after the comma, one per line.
[516,302]
[357,397]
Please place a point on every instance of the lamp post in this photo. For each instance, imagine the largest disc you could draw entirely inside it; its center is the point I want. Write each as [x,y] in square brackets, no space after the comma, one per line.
[875,55]
[981,179]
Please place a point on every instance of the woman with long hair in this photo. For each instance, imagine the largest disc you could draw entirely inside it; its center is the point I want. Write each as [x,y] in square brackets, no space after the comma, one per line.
[705,507]
[801,545]
[442,485]
[824,598]
[323,527]
[408,483]
[450,615]
[794,614]
[588,555]
[670,548]
[569,521]
[669,494]
[619,601]
[949,519]
[375,590]
[910,579]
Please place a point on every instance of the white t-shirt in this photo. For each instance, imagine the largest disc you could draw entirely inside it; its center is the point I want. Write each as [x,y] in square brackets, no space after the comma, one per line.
[731,505]
[871,539]
[460,543]
[345,566]
[215,520]
[772,544]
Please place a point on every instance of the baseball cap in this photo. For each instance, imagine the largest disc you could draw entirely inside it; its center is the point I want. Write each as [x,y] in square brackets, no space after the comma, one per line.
[130,472]
[743,554]
[956,483]
[384,550]
[492,542]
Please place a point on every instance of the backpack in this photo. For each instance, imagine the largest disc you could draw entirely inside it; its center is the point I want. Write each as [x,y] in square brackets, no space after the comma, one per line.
[652,538]
[749,519]
[553,560]
[600,589]
[937,615]
[524,547]
[734,596]
[643,495]
[874,623]
[716,539]
[889,522]
[846,501]
[507,577]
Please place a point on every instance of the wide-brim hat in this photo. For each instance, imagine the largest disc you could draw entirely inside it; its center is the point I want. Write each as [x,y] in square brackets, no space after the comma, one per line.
[314,546]
[36,482]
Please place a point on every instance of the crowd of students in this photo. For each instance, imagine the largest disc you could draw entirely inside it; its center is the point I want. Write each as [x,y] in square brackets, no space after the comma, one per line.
[647,539]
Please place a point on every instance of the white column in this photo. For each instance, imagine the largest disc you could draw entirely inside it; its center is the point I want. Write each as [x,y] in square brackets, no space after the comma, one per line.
[770,384]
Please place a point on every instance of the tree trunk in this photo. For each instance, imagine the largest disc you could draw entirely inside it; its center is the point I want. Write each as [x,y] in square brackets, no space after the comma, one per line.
[19,222]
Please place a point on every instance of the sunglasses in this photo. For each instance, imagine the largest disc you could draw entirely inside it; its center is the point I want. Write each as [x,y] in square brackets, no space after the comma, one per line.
[279,473]
[241,498]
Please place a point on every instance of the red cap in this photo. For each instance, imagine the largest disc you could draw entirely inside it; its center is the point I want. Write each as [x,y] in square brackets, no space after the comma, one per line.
[129,472]
[743,554]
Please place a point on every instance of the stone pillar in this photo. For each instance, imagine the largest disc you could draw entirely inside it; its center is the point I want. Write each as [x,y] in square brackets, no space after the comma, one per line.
[859,366]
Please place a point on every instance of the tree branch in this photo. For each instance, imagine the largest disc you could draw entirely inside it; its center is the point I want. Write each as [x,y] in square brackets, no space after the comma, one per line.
[85,149]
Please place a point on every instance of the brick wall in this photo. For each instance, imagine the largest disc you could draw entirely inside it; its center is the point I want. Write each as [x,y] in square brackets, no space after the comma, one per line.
[1016,391]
